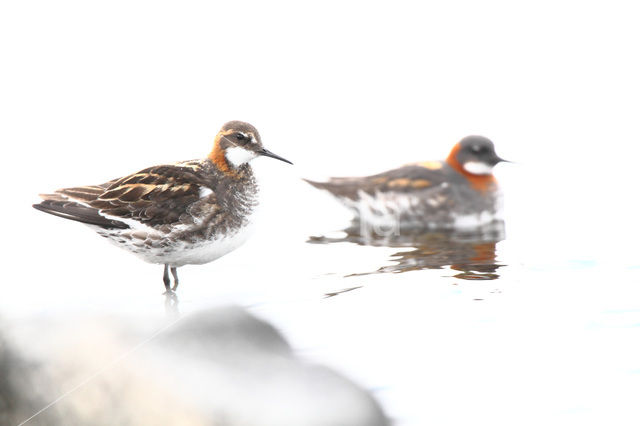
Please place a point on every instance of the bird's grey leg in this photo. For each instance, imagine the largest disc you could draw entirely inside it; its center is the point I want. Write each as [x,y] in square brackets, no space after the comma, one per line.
[166,279]
[174,272]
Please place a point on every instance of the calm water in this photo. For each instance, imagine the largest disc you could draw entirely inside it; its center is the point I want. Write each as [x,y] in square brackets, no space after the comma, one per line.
[534,324]
[513,324]
[472,252]
[469,333]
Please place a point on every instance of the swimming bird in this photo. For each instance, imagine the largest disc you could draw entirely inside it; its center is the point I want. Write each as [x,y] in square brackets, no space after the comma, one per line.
[185,213]
[456,193]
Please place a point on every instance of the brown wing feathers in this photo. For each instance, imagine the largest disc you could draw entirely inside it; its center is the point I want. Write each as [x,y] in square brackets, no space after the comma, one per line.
[62,206]
[154,196]
[406,178]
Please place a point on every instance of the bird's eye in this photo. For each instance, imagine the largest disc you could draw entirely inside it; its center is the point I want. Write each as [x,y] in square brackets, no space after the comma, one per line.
[241,136]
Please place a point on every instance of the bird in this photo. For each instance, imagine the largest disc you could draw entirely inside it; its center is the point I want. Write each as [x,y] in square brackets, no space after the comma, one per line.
[185,213]
[459,192]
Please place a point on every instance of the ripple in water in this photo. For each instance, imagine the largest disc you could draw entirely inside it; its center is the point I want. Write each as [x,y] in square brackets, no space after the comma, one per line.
[471,252]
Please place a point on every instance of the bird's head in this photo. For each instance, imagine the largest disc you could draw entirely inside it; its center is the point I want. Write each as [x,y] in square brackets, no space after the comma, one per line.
[238,143]
[475,155]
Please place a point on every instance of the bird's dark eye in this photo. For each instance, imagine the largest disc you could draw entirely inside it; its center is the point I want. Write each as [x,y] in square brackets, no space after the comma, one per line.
[241,136]
[477,149]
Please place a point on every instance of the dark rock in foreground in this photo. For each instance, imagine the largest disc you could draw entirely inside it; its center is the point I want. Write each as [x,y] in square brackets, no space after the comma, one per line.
[221,366]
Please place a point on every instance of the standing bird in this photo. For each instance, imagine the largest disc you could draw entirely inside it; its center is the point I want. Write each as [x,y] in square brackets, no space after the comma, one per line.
[191,212]
[457,193]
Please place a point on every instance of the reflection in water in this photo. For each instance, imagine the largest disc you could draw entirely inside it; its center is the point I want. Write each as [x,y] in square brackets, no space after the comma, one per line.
[472,253]
[171,303]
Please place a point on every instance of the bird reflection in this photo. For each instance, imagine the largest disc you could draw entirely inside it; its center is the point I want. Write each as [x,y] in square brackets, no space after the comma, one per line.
[472,253]
[171,303]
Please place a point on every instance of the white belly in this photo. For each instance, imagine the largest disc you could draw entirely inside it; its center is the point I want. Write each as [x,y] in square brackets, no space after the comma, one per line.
[175,249]
[180,253]
[207,251]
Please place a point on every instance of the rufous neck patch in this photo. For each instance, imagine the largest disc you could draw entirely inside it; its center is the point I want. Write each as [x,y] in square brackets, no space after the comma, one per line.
[480,183]
[217,156]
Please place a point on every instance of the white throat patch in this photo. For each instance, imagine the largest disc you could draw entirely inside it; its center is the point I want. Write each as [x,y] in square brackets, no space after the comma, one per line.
[238,155]
[477,168]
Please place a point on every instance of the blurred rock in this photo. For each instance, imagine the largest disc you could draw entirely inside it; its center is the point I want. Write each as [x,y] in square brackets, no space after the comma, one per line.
[221,367]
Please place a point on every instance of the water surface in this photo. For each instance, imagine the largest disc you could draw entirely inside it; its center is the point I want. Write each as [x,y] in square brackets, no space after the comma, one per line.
[527,323]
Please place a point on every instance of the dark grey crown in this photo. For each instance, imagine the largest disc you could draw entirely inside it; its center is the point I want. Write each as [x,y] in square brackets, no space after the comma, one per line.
[477,149]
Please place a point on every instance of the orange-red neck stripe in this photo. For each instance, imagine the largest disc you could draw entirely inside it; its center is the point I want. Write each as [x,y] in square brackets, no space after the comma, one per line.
[478,182]
[217,156]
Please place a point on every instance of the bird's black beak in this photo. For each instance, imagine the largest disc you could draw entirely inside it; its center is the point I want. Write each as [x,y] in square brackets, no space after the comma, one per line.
[498,159]
[268,153]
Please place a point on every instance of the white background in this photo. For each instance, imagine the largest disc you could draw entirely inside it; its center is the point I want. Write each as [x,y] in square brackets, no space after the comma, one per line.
[95,90]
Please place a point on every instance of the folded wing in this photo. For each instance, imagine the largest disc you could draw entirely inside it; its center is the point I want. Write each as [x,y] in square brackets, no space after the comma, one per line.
[153,197]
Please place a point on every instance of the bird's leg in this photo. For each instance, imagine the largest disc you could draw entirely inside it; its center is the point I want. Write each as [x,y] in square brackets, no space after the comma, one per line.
[166,279]
[174,272]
